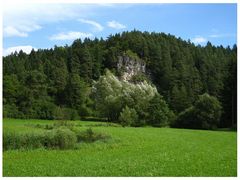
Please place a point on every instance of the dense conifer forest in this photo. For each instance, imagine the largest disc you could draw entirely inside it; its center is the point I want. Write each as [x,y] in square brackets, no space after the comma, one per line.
[184,85]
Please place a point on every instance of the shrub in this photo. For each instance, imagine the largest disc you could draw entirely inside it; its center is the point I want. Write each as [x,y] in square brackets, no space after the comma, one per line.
[43,109]
[12,140]
[187,119]
[158,112]
[111,95]
[90,136]
[128,116]
[140,77]
[66,124]
[11,111]
[70,114]
[60,113]
[208,111]
[132,55]
[60,138]
[205,114]
[65,138]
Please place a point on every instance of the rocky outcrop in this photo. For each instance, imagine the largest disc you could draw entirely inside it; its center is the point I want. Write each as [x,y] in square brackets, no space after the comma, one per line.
[129,67]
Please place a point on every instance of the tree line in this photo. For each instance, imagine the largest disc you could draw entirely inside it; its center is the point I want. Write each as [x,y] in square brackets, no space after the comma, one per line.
[58,83]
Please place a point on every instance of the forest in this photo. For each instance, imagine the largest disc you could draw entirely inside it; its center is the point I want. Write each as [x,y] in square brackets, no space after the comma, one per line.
[183,85]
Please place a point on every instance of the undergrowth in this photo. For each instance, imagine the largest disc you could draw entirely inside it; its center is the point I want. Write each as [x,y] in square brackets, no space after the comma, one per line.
[60,135]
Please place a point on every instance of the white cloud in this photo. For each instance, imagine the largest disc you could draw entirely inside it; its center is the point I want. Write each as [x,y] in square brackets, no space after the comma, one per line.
[29,27]
[115,25]
[10,31]
[21,30]
[221,35]
[71,35]
[23,18]
[96,25]
[214,35]
[26,49]
[199,40]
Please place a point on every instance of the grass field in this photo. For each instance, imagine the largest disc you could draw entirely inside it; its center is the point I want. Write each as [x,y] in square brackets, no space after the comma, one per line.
[131,152]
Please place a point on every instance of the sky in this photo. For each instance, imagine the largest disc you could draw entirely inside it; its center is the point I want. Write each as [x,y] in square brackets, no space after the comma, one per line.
[33,26]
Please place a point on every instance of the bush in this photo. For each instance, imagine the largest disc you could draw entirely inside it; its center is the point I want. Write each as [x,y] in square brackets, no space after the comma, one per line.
[57,138]
[62,123]
[111,95]
[61,138]
[158,112]
[128,116]
[43,109]
[58,113]
[187,119]
[205,114]
[208,111]
[70,114]
[12,140]
[131,54]
[11,111]
[65,113]
[90,136]
[140,77]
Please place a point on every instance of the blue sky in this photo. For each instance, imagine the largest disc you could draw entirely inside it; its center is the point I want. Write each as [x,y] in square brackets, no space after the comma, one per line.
[28,26]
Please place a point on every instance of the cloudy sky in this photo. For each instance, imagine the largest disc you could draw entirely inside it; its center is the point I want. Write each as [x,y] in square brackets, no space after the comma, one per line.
[27,26]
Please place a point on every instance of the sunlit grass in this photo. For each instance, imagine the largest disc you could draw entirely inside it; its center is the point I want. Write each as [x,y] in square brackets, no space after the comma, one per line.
[131,152]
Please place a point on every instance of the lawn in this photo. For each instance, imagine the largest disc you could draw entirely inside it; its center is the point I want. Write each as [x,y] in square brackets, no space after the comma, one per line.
[143,151]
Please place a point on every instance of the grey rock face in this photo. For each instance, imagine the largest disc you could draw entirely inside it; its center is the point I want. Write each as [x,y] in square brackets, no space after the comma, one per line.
[130,67]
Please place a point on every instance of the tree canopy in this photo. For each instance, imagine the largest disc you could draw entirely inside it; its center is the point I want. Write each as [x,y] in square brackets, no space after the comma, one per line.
[49,80]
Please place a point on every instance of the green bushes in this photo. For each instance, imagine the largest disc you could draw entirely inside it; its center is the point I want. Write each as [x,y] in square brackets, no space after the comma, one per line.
[59,137]
[90,136]
[42,110]
[128,116]
[65,113]
[159,113]
[11,111]
[205,114]
[12,140]
[112,95]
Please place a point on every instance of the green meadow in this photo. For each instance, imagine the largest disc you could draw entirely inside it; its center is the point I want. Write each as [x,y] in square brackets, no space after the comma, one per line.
[130,151]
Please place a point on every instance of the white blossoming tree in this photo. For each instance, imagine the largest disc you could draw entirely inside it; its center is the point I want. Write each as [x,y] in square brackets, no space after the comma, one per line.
[111,96]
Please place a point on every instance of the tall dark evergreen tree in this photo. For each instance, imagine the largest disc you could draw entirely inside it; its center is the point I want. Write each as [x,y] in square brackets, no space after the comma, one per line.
[60,76]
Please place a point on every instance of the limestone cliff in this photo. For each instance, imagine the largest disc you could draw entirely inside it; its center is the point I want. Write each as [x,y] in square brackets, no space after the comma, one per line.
[129,67]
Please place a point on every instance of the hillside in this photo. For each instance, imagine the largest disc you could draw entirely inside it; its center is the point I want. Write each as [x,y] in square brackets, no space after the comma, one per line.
[56,83]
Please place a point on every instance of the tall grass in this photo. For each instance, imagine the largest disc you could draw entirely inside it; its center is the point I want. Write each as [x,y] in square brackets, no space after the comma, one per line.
[59,136]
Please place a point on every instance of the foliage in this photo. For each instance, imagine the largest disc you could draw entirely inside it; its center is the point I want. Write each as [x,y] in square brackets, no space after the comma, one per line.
[77,94]
[186,119]
[128,117]
[140,77]
[90,136]
[11,111]
[59,135]
[158,112]
[205,114]
[208,111]
[13,140]
[43,109]
[112,95]
[131,54]
[62,76]
[62,138]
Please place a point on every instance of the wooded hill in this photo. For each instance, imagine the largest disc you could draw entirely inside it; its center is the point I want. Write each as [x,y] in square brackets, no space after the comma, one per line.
[57,83]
